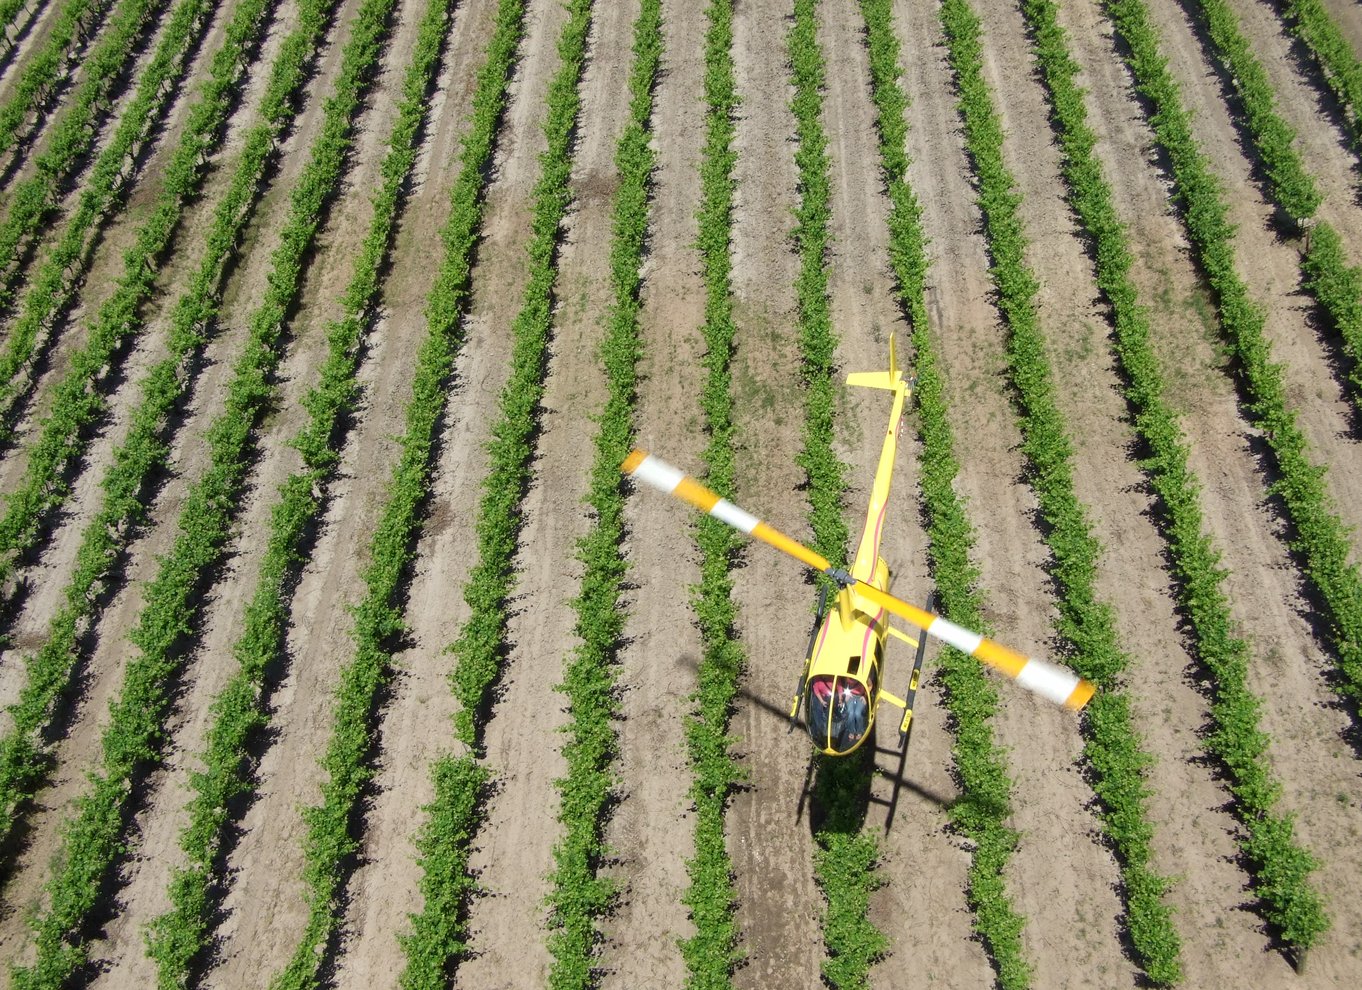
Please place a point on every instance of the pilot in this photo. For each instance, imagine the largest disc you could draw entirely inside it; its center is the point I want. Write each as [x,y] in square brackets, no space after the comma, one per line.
[820,696]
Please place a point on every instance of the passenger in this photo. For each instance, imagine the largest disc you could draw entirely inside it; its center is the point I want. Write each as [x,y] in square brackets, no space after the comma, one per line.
[820,697]
[855,709]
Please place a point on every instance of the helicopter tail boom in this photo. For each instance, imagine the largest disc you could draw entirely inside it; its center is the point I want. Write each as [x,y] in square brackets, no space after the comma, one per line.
[868,550]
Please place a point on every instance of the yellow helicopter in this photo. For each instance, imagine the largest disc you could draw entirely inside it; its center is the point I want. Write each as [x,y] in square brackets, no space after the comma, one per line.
[841,686]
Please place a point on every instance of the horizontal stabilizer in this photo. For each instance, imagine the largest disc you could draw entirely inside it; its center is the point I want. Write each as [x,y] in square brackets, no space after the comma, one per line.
[875,379]
[892,380]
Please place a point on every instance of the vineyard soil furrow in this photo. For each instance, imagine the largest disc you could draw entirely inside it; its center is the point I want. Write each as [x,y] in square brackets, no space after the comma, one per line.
[416,726]
[319,640]
[58,551]
[165,631]
[653,826]
[1263,586]
[1106,484]
[76,399]
[1074,908]
[112,647]
[506,926]
[1011,557]
[783,945]
[49,185]
[1270,265]
[1313,753]
[1187,803]
[1326,150]
[1348,19]
[49,67]
[953,287]
[518,838]
[26,21]
[145,895]
[107,649]
[924,866]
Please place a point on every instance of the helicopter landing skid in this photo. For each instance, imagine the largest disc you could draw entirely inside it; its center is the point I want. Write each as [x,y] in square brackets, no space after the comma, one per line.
[805,792]
[808,659]
[905,729]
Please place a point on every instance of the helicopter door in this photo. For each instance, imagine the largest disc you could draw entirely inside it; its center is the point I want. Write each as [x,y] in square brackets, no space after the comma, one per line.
[872,676]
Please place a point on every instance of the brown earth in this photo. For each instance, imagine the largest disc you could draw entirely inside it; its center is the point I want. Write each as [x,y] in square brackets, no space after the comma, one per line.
[1063,878]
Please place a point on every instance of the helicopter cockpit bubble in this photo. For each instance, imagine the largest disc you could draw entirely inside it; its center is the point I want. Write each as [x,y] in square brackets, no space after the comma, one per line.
[838,713]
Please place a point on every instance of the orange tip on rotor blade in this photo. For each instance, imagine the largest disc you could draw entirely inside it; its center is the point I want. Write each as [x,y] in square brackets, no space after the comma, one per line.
[1081,696]
[660,475]
[632,462]
[1058,684]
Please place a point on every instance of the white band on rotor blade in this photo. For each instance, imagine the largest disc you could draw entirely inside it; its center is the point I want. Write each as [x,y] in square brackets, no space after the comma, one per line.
[739,519]
[952,635]
[1048,680]
[659,474]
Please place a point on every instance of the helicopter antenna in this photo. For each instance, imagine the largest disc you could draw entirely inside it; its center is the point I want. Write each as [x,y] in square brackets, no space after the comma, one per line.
[1049,680]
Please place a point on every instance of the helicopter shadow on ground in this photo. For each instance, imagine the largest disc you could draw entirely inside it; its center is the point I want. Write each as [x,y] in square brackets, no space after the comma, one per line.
[871,759]
[849,779]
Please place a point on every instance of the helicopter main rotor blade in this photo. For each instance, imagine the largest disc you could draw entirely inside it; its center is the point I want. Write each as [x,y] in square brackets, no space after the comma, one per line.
[1049,680]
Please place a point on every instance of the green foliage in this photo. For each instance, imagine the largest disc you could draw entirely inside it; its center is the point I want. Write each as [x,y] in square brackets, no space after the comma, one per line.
[38,84]
[9,14]
[177,938]
[76,404]
[817,336]
[1328,277]
[73,134]
[1292,186]
[1288,901]
[1086,623]
[1342,69]
[452,818]
[144,450]
[712,953]
[846,857]
[328,841]
[845,864]
[1338,287]
[133,738]
[492,578]
[981,812]
[579,896]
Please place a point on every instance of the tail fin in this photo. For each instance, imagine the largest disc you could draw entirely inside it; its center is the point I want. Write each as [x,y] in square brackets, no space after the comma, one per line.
[891,380]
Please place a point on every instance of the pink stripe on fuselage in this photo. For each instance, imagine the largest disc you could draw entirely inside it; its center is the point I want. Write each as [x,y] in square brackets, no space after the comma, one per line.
[869,632]
[824,634]
[865,640]
[879,522]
